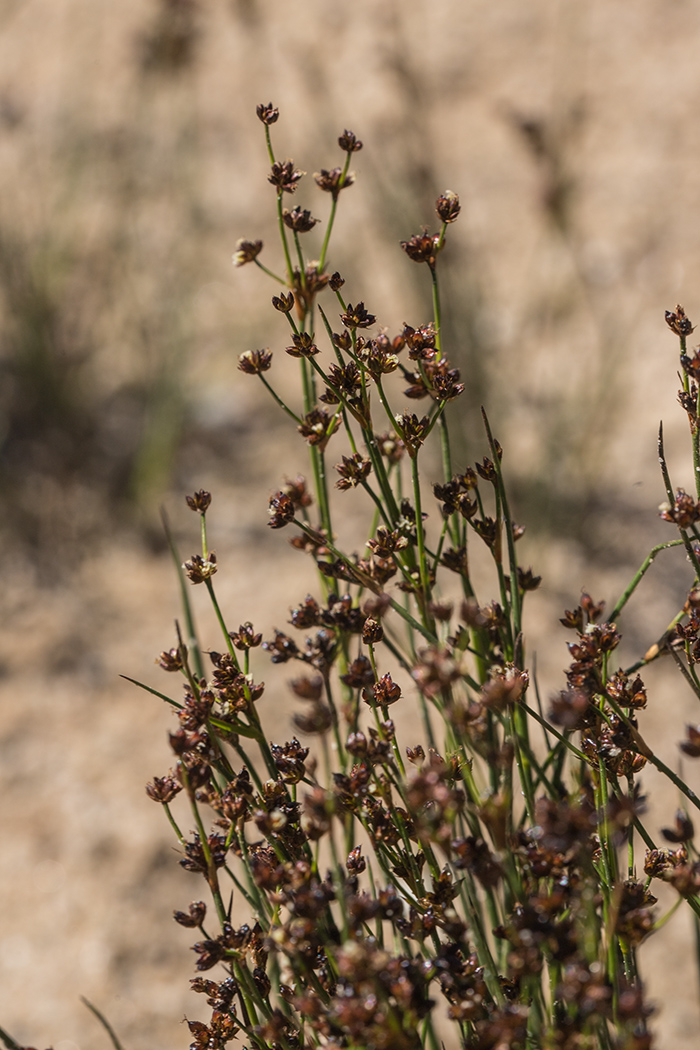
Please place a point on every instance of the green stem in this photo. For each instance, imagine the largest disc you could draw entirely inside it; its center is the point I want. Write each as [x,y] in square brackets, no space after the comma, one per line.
[420,536]
[331,217]
[222,623]
[173,824]
[212,877]
[550,728]
[104,1022]
[437,314]
[279,400]
[636,580]
[645,750]
[274,276]
[285,244]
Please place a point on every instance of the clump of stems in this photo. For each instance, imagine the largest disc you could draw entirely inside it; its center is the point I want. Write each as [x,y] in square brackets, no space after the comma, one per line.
[485,881]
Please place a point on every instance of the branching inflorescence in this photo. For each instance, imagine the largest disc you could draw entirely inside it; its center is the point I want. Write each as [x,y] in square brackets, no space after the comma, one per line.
[488,884]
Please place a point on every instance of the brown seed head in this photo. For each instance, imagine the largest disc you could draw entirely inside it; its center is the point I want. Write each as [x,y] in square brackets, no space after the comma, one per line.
[352,471]
[281,509]
[245,637]
[297,491]
[200,569]
[349,142]
[253,362]
[384,692]
[506,687]
[422,248]
[170,660]
[303,346]
[246,251]
[391,447]
[372,631]
[378,358]
[195,917]
[285,176]
[568,709]
[163,789]
[200,501]
[332,181]
[413,431]
[527,581]
[317,427]
[682,831]
[267,113]
[298,219]
[284,303]
[684,512]
[357,317]
[691,746]
[678,322]
[447,206]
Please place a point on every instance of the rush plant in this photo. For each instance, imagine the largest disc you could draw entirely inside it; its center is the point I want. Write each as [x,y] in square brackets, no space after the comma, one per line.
[438,858]
[485,880]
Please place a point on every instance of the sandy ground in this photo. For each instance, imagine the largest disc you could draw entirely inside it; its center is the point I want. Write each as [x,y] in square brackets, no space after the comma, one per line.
[561,268]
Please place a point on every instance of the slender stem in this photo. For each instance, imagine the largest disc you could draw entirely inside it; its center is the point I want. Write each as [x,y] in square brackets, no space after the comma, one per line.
[331,217]
[547,725]
[173,824]
[437,314]
[639,575]
[420,535]
[655,761]
[274,276]
[212,877]
[222,623]
[104,1022]
[283,237]
[279,400]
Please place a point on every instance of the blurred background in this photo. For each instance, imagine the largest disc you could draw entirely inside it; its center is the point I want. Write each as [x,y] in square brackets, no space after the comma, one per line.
[131,161]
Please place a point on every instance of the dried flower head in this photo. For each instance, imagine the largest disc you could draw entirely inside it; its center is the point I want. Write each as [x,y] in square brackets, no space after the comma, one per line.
[285,176]
[413,431]
[170,660]
[422,247]
[298,219]
[691,746]
[302,345]
[200,501]
[447,206]
[352,471]
[267,113]
[284,302]
[357,317]
[246,251]
[318,427]
[333,181]
[254,362]
[678,322]
[199,569]
[281,510]
[349,142]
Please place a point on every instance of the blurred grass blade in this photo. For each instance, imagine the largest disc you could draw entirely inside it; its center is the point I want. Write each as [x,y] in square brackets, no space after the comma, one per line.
[9,1041]
[148,689]
[104,1022]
